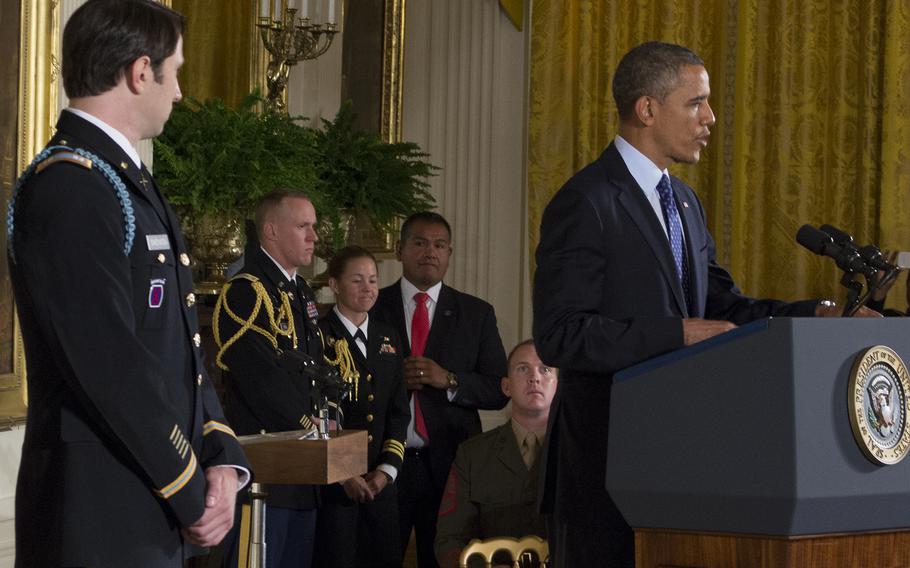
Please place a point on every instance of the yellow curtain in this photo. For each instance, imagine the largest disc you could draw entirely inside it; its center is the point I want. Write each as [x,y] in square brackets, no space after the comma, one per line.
[217,48]
[809,98]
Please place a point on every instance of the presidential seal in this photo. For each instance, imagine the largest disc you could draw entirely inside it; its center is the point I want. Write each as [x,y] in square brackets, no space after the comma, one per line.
[878,401]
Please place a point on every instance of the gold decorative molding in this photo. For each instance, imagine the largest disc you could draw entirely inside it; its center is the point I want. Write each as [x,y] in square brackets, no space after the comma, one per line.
[39,72]
[392,70]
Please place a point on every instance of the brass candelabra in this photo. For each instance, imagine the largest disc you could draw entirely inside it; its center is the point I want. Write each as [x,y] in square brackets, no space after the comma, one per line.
[289,43]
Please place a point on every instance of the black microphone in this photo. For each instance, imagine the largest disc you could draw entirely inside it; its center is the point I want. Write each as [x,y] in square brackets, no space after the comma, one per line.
[870,254]
[820,242]
[839,237]
[874,258]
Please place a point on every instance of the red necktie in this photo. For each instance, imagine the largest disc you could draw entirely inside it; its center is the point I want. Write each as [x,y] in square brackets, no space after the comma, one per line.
[420,329]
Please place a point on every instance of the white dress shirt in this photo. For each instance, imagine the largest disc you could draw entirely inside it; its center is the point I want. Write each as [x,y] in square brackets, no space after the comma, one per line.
[647,174]
[112,132]
[408,291]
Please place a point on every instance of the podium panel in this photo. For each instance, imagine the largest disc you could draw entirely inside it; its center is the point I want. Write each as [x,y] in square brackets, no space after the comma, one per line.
[750,433]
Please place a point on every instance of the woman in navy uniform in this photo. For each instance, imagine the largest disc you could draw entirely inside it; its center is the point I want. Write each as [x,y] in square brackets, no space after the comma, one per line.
[358,522]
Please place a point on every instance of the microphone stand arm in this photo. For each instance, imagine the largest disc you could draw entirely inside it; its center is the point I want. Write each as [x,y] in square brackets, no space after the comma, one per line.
[854,300]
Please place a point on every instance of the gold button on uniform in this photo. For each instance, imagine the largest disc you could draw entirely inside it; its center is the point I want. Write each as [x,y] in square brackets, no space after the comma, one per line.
[370,438]
[197,340]
[161,258]
[63,142]
[370,398]
[184,259]
[124,165]
[369,378]
[199,379]
[190,300]
[369,417]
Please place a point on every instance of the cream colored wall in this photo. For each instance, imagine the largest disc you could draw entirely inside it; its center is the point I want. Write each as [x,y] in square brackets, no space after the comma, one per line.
[11,450]
[465,104]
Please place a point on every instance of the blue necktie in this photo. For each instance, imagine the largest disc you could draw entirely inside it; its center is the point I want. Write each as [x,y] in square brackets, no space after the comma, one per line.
[674,233]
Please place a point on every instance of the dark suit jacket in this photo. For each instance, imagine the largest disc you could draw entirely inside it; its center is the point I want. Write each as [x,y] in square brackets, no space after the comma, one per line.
[606,296]
[490,493]
[122,418]
[381,406]
[261,394]
[463,339]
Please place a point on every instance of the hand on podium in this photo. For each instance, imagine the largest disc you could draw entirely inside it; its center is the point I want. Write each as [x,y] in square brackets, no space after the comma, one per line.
[834,311]
[699,329]
[218,518]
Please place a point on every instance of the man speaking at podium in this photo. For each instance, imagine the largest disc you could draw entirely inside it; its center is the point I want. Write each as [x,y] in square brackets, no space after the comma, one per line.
[626,271]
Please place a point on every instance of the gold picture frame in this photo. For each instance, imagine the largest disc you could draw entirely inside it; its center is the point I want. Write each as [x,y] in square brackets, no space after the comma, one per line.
[39,22]
[392,70]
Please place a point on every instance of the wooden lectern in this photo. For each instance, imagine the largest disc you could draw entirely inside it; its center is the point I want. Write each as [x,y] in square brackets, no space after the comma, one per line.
[738,452]
[284,458]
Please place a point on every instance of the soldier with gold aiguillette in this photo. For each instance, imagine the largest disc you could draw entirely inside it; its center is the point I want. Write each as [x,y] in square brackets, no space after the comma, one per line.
[264,321]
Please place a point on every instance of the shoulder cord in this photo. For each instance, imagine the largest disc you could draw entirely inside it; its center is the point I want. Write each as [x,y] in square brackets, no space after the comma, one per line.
[262,299]
[344,361]
[126,204]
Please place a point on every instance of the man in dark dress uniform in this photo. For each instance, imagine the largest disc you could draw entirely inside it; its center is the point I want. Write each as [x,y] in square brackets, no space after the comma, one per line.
[128,460]
[262,312]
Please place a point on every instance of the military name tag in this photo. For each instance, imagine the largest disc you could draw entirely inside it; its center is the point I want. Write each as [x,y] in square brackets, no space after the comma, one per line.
[158,242]
[877,399]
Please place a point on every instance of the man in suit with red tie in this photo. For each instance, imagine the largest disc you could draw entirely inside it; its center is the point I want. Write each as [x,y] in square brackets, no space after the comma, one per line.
[453,367]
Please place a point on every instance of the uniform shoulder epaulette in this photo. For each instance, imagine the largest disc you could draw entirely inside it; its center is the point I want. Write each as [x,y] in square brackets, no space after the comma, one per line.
[64,154]
[244,276]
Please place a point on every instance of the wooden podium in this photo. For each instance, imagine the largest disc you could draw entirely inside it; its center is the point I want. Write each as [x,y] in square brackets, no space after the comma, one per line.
[738,452]
[285,458]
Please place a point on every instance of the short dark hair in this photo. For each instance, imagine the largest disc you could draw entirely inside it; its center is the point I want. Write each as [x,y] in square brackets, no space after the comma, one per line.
[515,349]
[425,217]
[339,261]
[650,69]
[271,201]
[104,37]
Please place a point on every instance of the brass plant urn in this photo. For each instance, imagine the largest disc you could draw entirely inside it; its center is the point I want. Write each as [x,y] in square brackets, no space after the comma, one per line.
[215,242]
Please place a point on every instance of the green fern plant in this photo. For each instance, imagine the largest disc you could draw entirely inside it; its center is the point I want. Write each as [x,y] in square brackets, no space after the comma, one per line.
[213,159]
[360,174]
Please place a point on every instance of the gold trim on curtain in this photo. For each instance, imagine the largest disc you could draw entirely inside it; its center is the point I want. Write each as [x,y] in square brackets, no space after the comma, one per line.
[514,9]
[809,99]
